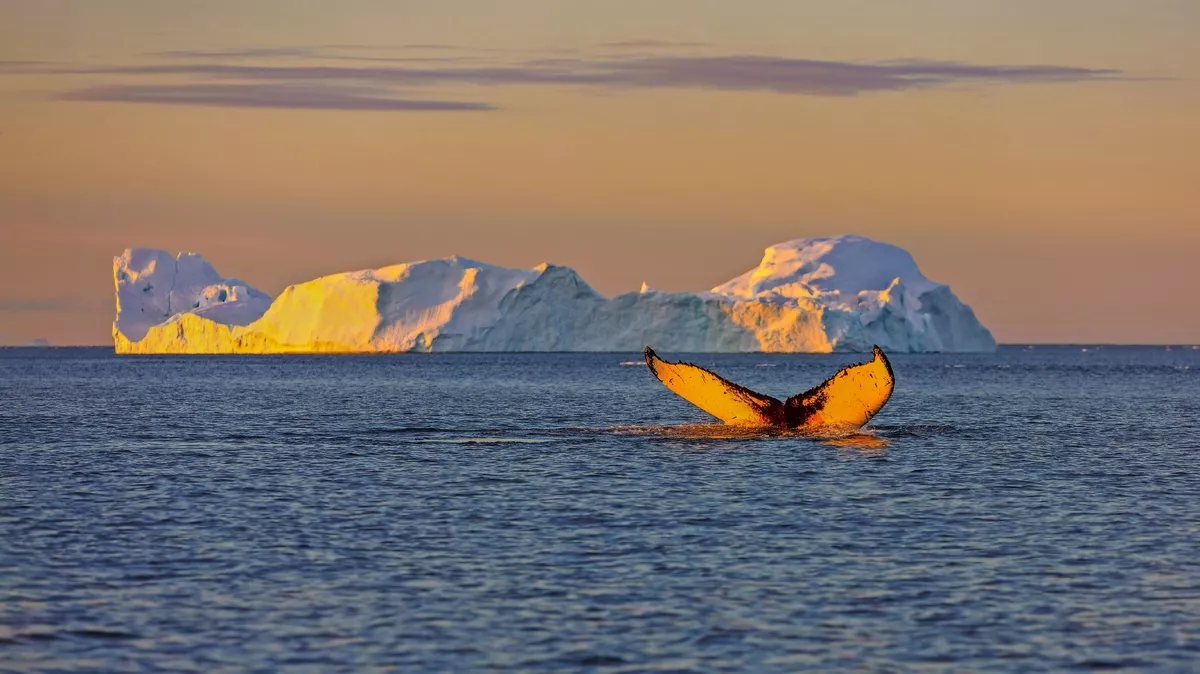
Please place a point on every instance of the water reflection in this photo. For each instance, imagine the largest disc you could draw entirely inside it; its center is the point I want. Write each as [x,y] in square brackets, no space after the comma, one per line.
[858,439]
[866,442]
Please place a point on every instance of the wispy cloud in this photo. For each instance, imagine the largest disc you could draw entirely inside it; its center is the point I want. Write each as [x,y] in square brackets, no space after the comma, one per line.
[431,46]
[316,80]
[652,44]
[344,52]
[829,78]
[406,59]
[299,51]
[741,72]
[26,306]
[301,96]
[240,53]
[402,53]
[23,66]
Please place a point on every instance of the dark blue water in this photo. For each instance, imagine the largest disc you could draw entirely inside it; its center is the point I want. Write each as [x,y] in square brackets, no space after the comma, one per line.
[1028,510]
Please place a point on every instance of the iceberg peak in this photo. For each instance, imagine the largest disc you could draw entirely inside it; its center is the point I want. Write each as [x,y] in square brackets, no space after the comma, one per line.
[846,265]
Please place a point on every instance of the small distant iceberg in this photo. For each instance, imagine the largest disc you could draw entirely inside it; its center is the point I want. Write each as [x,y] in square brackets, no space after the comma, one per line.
[814,295]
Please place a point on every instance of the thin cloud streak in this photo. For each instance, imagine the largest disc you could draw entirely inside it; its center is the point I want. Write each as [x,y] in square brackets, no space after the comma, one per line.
[32,67]
[383,87]
[831,78]
[301,53]
[278,96]
[407,59]
[782,75]
[319,51]
[651,44]
[25,306]
[248,53]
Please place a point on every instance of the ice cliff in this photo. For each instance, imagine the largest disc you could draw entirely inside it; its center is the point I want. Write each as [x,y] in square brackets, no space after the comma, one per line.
[807,295]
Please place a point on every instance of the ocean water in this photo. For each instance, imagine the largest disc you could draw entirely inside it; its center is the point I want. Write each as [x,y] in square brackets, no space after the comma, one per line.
[1029,510]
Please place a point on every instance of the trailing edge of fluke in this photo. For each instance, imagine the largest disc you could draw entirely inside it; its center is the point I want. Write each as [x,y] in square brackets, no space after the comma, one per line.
[845,401]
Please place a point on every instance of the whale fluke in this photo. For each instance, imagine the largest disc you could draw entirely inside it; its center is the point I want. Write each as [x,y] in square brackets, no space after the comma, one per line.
[845,401]
[735,405]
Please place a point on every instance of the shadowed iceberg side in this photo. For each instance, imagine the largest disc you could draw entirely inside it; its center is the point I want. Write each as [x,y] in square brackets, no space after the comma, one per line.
[808,295]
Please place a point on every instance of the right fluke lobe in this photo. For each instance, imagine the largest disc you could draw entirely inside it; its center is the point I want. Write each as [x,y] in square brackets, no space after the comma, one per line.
[848,399]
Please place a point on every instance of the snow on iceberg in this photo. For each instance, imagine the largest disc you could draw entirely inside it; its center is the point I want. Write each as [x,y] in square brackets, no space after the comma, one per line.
[807,295]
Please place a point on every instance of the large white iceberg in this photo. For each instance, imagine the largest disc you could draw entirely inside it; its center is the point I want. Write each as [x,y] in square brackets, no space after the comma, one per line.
[807,295]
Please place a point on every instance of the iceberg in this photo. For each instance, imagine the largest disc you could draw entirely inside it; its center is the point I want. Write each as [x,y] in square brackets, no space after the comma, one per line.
[815,295]
[156,290]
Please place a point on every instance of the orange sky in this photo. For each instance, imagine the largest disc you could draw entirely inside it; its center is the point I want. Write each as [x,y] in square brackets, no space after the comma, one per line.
[275,137]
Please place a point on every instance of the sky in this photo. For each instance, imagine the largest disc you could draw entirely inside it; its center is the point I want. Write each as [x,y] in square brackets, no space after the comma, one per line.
[1041,157]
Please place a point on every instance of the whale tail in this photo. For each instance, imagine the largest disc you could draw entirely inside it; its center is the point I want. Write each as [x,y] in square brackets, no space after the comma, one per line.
[847,400]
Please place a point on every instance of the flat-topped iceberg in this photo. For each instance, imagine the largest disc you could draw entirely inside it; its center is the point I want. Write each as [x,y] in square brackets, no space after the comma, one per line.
[807,295]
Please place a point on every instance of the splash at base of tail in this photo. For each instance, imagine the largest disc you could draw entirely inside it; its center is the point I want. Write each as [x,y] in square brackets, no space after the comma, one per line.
[845,401]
